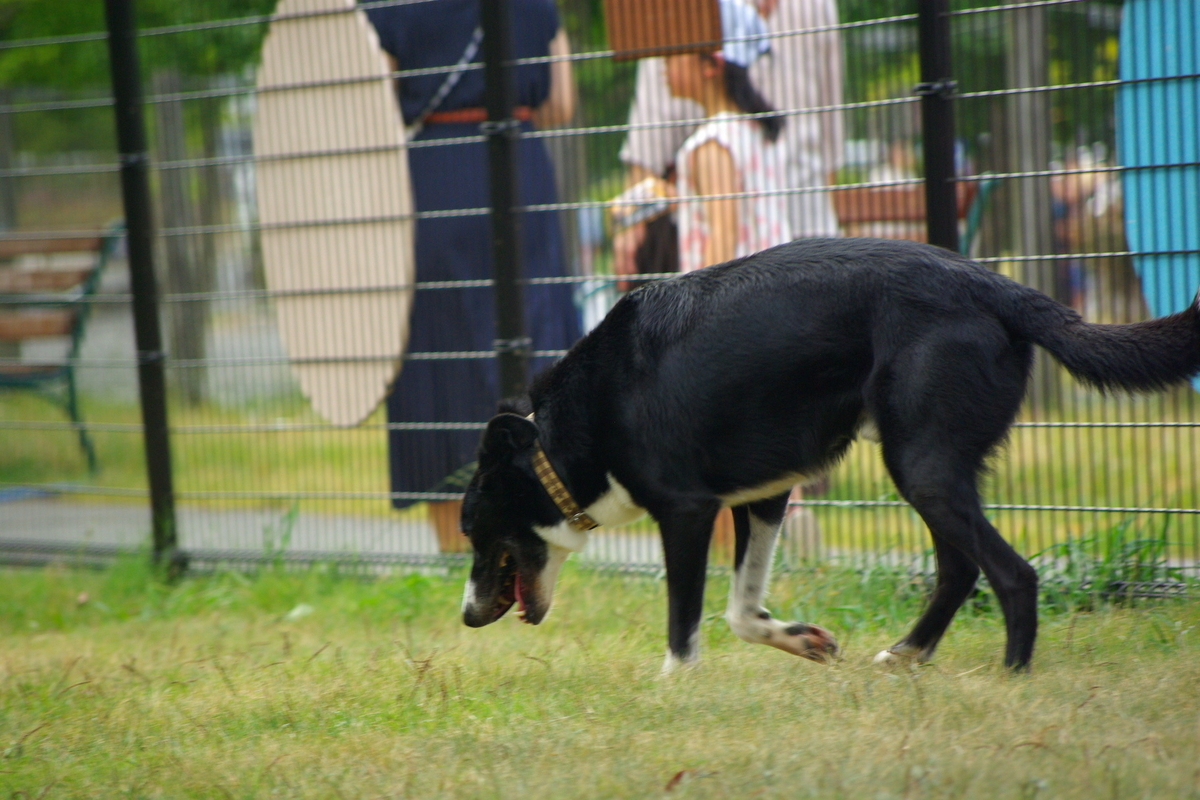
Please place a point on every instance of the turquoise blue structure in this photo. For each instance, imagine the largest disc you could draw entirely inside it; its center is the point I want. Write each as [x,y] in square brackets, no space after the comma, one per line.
[1158,137]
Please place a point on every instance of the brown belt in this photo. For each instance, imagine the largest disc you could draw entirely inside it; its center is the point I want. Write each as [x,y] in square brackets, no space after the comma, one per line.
[476,114]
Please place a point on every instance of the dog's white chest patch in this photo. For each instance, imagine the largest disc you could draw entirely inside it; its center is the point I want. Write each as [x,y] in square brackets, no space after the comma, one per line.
[614,507]
[563,535]
[867,429]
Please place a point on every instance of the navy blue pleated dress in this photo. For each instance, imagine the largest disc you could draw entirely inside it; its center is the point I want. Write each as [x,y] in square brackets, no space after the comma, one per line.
[455,176]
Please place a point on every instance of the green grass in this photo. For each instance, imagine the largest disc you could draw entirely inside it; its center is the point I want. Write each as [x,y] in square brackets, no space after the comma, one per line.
[273,462]
[348,459]
[1108,467]
[310,685]
[1113,467]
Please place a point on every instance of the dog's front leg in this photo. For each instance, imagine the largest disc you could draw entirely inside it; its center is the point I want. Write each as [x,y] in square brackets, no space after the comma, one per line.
[685,536]
[757,527]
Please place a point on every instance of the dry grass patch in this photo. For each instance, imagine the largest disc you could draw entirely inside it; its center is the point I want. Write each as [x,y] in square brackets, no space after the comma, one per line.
[209,689]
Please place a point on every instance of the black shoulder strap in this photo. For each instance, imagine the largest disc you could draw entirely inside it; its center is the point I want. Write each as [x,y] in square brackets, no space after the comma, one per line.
[452,79]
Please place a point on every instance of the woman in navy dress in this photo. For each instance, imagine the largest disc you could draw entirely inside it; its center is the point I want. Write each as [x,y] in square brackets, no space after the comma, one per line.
[455,176]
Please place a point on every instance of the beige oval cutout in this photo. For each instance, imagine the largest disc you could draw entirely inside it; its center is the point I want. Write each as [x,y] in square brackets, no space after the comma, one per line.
[335,203]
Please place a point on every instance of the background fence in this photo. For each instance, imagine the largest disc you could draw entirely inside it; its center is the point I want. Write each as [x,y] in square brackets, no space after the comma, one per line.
[1070,143]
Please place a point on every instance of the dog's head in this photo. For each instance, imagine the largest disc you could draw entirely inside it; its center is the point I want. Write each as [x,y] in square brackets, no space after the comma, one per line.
[504,506]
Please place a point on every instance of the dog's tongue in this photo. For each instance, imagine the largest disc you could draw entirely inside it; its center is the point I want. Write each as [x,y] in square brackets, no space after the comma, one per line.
[520,598]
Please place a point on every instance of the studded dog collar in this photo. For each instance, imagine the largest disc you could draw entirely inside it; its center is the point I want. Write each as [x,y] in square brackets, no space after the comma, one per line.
[576,517]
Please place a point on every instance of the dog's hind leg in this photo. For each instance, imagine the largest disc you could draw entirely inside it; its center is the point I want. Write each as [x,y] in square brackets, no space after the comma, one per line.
[958,523]
[956,576]
[942,404]
[947,499]
[757,526]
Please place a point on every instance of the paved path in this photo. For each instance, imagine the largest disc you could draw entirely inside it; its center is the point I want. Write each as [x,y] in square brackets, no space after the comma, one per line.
[61,525]
[61,521]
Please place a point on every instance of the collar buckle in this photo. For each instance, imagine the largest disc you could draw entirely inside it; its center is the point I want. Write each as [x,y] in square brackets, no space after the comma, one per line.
[580,521]
[576,517]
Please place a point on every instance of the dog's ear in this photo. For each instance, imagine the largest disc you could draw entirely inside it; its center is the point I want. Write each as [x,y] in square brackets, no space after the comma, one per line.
[516,405]
[508,433]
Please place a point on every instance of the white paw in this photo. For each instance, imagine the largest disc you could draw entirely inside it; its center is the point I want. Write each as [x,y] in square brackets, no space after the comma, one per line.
[898,655]
[673,663]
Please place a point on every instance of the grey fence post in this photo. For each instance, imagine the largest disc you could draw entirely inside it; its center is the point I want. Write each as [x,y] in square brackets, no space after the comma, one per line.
[937,122]
[135,193]
[512,345]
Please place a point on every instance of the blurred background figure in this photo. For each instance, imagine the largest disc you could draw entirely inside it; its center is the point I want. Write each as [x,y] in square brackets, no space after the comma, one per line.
[803,71]
[449,105]
[1158,136]
[728,154]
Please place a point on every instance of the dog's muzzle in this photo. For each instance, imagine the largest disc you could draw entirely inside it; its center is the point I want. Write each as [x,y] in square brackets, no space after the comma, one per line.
[532,594]
[479,611]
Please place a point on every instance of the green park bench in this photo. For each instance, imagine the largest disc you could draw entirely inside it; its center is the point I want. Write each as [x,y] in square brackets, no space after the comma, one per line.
[50,302]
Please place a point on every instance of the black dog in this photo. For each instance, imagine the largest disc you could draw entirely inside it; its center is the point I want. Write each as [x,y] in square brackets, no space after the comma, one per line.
[728,385]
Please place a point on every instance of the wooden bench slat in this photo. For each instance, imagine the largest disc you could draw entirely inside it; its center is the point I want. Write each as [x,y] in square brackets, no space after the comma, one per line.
[11,248]
[18,326]
[892,203]
[15,281]
[28,370]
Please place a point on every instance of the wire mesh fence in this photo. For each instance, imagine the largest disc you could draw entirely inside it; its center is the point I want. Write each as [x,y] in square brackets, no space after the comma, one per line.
[1076,164]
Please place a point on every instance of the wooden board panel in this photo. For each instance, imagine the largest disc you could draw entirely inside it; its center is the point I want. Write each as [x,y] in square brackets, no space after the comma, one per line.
[11,248]
[13,281]
[640,28]
[335,201]
[893,203]
[17,326]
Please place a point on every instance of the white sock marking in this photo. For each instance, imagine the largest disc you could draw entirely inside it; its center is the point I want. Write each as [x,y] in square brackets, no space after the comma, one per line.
[897,654]
[747,617]
[674,662]
[744,612]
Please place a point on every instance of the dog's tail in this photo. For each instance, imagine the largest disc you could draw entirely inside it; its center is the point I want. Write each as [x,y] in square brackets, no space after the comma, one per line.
[1141,356]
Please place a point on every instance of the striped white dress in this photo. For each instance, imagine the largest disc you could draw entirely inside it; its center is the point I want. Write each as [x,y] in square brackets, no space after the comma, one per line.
[762,213]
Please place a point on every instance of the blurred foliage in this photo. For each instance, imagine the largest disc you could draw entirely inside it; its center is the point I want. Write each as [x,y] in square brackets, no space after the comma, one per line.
[607,84]
[81,67]
[605,90]
[880,64]
[79,70]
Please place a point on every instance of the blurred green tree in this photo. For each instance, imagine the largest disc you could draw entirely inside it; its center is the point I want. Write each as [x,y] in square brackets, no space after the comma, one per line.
[195,54]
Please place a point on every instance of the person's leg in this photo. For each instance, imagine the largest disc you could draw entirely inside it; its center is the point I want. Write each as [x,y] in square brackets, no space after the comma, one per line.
[444,515]
[722,537]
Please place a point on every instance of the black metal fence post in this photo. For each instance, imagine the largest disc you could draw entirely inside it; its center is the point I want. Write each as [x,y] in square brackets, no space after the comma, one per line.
[512,345]
[135,191]
[937,121]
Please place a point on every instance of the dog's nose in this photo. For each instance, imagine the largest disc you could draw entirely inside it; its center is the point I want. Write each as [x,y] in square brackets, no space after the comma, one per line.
[473,619]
